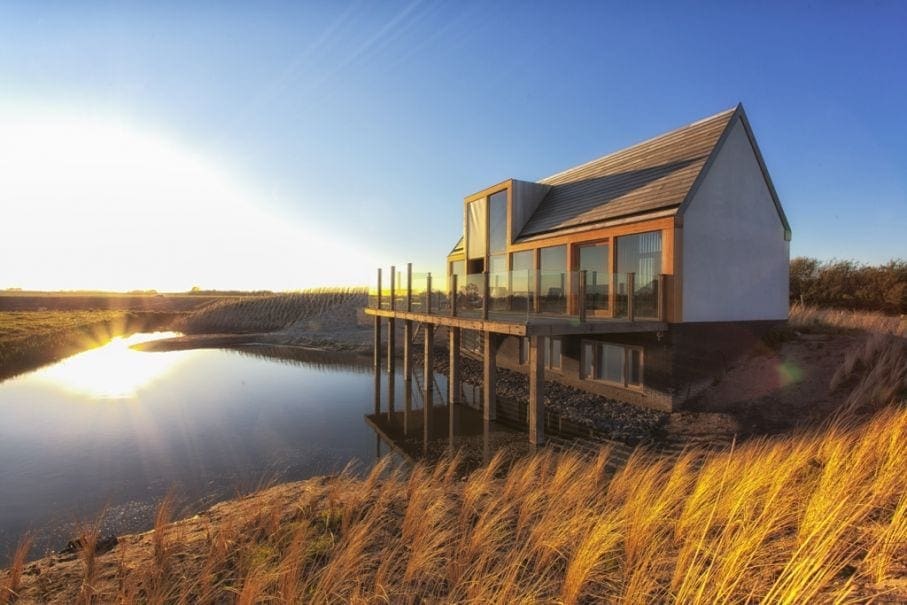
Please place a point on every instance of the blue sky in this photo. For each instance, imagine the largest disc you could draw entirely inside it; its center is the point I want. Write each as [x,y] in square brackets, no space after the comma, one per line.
[367,123]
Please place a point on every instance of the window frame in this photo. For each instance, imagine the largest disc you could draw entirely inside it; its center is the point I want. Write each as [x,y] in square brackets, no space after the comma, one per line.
[549,347]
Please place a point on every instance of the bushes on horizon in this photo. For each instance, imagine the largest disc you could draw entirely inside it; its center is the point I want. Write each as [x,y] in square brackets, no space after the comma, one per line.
[847,284]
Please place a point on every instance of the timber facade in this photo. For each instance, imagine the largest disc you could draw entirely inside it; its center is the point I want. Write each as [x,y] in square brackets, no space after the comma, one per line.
[639,275]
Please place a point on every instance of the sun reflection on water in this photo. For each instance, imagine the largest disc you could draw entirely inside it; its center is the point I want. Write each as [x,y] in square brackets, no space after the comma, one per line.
[114,370]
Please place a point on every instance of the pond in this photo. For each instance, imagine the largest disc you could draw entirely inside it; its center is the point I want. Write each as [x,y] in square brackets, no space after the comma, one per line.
[108,432]
[114,428]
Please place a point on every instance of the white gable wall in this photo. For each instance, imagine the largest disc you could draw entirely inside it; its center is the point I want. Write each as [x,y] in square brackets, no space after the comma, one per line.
[735,258]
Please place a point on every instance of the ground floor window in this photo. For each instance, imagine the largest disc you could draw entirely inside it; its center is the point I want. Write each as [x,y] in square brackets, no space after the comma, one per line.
[551,352]
[610,362]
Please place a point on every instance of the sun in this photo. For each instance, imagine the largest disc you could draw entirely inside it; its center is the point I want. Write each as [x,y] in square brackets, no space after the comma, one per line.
[100,202]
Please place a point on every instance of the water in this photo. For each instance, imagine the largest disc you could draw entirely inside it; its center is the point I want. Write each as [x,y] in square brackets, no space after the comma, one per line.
[114,429]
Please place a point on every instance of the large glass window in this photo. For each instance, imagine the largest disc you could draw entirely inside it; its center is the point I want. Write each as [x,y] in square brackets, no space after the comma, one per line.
[553,279]
[476,229]
[641,254]
[497,222]
[593,259]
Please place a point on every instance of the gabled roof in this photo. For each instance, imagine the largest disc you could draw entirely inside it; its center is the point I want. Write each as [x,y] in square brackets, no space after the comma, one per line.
[654,175]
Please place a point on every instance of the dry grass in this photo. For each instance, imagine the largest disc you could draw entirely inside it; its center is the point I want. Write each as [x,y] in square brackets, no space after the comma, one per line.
[805,316]
[9,589]
[273,313]
[817,517]
[875,374]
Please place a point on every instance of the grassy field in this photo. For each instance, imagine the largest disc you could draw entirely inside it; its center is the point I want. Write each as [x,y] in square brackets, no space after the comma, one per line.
[102,301]
[816,517]
[276,312]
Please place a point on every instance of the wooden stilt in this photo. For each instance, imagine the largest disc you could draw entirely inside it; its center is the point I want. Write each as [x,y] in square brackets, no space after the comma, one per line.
[454,390]
[428,376]
[407,350]
[377,343]
[536,391]
[391,345]
[489,377]
[407,406]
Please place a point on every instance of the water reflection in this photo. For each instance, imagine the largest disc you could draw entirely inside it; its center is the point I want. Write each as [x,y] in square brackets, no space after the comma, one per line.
[305,356]
[114,370]
[420,432]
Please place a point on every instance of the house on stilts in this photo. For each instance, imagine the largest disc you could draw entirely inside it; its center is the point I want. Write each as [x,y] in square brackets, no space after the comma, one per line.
[638,276]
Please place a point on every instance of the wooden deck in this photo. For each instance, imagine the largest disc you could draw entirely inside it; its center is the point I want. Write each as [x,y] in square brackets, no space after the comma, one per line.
[517,324]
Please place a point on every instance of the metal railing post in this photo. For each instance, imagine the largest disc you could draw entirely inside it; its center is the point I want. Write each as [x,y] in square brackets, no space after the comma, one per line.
[378,305]
[485,295]
[409,287]
[582,296]
[393,302]
[631,295]
[428,293]
[453,294]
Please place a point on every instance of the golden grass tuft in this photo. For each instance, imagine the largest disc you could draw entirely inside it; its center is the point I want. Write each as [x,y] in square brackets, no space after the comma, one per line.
[9,589]
[816,517]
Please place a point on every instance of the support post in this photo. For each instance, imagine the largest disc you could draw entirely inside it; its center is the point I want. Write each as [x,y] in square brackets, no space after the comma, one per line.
[536,391]
[582,296]
[454,389]
[407,406]
[428,293]
[428,376]
[407,350]
[631,294]
[489,376]
[391,344]
[662,280]
[486,294]
[377,342]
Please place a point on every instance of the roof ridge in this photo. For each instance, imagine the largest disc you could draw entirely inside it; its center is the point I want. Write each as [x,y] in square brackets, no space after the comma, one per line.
[547,179]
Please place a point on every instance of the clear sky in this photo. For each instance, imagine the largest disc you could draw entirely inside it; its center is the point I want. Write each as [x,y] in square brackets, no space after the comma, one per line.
[283,146]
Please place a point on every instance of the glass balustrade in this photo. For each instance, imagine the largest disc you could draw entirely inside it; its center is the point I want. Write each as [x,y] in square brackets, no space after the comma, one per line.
[520,295]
